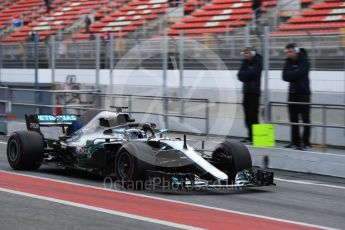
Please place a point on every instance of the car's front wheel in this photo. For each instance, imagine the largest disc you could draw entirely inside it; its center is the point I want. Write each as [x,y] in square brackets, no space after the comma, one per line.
[131,163]
[231,157]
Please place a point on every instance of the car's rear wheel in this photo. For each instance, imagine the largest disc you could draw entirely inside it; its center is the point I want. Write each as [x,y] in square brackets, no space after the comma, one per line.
[25,150]
[231,157]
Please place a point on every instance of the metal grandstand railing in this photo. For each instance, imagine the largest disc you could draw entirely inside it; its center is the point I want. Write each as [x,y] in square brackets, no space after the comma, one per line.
[325,52]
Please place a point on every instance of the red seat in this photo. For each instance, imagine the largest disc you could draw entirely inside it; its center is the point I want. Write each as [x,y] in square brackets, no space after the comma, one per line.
[218,12]
[325,25]
[147,2]
[328,5]
[334,18]
[144,7]
[201,31]
[13,39]
[324,17]
[218,15]
[316,12]
[303,33]
[208,24]
[81,36]
[113,29]
[128,17]
[19,34]
[306,1]
[228,6]
[218,18]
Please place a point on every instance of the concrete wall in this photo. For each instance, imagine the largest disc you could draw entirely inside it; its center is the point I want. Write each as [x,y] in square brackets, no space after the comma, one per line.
[321,81]
[301,161]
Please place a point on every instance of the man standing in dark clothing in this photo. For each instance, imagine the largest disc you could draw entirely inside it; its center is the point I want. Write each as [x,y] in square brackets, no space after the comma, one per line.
[88,22]
[250,75]
[296,72]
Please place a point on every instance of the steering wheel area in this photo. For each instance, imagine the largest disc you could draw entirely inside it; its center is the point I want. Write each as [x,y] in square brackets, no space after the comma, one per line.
[148,130]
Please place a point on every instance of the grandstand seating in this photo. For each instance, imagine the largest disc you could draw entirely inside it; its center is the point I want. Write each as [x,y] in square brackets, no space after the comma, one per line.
[3,6]
[23,9]
[125,19]
[57,19]
[219,16]
[325,17]
[122,17]
[192,5]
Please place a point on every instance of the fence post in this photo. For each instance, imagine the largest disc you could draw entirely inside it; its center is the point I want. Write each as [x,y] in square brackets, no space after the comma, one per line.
[111,67]
[181,67]
[344,85]
[138,45]
[232,47]
[324,130]
[207,116]
[52,57]
[98,64]
[1,62]
[130,105]
[25,55]
[276,13]
[8,97]
[77,58]
[314,49]
[203,147]
[246,36]
[165,48]
[266,68]
[37,96]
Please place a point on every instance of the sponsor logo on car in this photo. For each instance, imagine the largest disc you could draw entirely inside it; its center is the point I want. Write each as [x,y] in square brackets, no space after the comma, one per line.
[59,118]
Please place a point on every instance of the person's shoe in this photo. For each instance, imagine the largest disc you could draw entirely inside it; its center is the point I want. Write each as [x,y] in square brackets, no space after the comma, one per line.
[292,146]
[307,148]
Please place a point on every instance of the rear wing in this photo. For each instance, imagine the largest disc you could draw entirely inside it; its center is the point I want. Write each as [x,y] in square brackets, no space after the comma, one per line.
[51,120]
[35,121]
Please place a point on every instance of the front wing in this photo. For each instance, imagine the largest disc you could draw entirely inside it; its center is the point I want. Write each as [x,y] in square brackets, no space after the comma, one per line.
[245,178]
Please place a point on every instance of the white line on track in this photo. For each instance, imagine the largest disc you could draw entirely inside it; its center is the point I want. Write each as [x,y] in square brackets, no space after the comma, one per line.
[123,214]
[178,202]
[309,183]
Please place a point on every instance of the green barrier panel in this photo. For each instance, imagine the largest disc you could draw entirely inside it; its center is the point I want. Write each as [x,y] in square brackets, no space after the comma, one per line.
[263,135]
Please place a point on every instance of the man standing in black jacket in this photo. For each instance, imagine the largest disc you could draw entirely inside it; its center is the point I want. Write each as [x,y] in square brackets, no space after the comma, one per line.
[296,72]
[250,75]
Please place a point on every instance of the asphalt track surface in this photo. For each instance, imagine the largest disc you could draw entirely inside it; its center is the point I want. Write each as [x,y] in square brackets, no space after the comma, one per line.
[298,197]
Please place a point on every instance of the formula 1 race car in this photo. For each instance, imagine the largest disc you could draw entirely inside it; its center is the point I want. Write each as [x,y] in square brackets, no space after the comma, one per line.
[113,144]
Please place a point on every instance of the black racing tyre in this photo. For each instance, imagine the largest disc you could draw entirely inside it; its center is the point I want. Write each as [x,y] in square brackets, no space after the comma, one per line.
[25,150]
[232,157]
[131,163]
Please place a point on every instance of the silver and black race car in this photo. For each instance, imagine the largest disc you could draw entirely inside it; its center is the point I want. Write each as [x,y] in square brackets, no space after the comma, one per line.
[113,144]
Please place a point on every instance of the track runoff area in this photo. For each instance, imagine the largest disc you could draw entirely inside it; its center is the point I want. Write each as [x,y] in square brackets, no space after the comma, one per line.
[295,203]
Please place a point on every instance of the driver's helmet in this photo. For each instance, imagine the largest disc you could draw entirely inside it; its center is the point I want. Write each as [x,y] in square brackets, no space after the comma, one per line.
[132,134]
